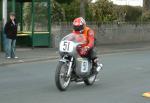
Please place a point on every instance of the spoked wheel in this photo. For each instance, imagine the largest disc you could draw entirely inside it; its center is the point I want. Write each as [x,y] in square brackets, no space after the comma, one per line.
[90,80]
[61,79]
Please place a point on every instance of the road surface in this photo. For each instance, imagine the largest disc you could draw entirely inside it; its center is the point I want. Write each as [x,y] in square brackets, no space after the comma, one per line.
[123,80]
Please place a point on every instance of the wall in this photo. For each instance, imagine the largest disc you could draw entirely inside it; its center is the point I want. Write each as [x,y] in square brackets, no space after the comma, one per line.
[108,33]
[0,25]
[123,33]
[0,36]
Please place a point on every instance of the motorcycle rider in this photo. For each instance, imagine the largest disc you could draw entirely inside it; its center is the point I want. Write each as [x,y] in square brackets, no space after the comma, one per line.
[80,27]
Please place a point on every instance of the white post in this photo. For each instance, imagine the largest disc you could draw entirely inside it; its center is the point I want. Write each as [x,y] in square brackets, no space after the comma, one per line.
[4,12]
[4,22]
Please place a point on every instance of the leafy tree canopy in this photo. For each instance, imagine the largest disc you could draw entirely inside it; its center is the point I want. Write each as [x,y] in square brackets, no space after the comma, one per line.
[64,1]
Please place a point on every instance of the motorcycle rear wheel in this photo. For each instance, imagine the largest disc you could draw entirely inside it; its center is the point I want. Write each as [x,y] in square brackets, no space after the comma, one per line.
[90,80]
[61,79]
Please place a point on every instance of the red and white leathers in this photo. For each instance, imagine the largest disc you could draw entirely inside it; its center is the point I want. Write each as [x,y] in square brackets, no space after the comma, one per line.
[80,28]
[87,49]
[88,36]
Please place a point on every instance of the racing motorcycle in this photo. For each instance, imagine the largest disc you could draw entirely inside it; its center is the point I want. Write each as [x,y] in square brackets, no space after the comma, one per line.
[73,66]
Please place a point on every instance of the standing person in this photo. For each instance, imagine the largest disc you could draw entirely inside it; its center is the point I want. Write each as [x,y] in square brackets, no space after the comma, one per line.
[10,30]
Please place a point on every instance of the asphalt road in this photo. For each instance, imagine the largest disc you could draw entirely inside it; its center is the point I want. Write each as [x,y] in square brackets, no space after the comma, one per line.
[123,80]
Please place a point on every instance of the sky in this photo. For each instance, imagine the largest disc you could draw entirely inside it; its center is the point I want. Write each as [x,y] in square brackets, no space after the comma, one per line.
[128,2]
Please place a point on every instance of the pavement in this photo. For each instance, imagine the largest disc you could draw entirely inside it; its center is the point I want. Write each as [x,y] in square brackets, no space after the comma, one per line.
[42,54]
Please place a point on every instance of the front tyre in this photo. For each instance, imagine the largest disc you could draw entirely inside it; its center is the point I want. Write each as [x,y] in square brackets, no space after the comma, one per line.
[61,79]
[90,80]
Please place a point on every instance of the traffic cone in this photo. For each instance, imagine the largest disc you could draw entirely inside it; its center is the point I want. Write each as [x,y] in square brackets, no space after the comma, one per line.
[146,94]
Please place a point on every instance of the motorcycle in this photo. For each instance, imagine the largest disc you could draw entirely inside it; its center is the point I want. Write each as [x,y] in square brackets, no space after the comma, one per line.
[72,65]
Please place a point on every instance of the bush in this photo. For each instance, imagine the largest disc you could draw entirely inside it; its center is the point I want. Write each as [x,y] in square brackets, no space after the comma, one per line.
[146,16]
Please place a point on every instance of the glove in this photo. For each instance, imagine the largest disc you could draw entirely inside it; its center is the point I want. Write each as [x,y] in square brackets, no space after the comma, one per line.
[86,48]
[84,51]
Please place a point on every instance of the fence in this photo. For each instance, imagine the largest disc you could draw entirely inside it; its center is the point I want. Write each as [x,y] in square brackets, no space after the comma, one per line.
[108,33]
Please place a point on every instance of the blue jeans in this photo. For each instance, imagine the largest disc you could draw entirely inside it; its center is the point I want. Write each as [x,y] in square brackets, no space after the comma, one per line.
[4,41]
[10,48]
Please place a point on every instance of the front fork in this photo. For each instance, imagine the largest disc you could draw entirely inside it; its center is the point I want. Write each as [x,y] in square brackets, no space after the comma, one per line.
[70,65]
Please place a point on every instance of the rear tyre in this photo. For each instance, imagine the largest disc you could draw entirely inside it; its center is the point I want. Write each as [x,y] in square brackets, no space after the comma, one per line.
[61,79]
[90,80]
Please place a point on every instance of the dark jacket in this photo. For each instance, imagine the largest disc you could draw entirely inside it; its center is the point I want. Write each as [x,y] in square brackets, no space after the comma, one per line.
[11,30]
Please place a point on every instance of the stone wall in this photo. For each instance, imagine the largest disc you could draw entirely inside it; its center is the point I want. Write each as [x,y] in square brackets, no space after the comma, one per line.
[0,35]
[108,33]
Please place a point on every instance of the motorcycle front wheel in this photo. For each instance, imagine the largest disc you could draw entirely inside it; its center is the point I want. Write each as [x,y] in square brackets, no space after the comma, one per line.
[61,79]
[90,80]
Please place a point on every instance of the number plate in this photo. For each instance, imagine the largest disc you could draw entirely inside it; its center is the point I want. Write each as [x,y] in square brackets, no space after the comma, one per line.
[66,46]
[84,66]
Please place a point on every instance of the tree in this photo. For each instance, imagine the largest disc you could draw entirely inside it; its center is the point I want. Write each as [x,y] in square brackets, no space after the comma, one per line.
[128,13]
[102,11]
[146,5]
[58,13]
[146,11]
[72,10]
[146,16]
[64,1]
[82,8]
[133,13]
[75,8]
